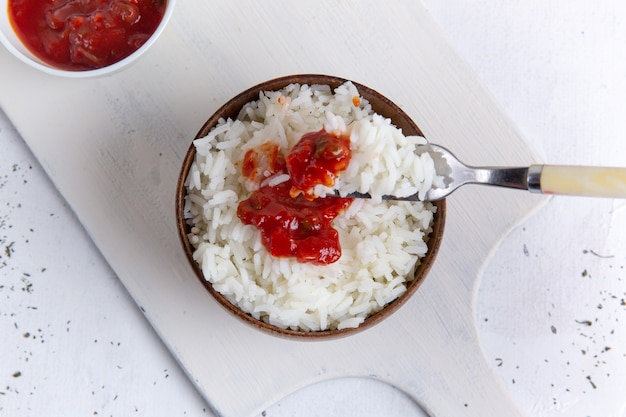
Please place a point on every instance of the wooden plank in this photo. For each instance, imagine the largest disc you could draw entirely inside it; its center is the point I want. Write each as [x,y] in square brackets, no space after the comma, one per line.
[113,147]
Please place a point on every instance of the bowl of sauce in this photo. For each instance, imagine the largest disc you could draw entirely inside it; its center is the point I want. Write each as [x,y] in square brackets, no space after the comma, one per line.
[82,38]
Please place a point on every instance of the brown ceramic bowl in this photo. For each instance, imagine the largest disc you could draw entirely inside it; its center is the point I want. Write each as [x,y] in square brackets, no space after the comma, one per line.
[380,105]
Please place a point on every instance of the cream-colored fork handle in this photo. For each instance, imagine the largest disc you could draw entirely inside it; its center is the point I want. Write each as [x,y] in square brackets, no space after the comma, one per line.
[581,180]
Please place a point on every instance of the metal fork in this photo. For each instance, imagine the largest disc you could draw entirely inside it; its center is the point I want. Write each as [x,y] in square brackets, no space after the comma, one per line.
[547,179]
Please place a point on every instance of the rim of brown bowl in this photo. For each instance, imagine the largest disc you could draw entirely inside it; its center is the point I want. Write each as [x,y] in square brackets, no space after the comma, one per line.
[381,105]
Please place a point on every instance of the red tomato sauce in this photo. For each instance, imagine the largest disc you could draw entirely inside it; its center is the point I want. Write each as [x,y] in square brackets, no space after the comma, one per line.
[84,34]
[317,159]
[267,158]
[296,224]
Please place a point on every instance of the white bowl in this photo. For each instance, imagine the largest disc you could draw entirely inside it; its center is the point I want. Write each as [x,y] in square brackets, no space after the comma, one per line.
[11,41]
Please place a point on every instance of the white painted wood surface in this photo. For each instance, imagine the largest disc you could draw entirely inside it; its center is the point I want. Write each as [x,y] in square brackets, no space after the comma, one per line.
[129,132]
[132,146]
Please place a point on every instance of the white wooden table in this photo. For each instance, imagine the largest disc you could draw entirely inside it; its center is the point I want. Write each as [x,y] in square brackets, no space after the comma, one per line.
[549,310]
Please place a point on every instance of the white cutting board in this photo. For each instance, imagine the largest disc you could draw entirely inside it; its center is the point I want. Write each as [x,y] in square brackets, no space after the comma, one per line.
[113,147]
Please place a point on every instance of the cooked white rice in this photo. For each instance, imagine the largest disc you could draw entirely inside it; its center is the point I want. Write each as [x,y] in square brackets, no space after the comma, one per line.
[381,242]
